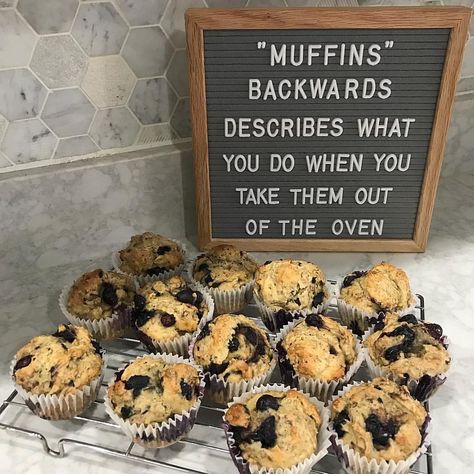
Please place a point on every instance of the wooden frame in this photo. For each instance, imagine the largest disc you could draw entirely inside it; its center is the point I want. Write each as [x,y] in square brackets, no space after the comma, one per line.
[198,20]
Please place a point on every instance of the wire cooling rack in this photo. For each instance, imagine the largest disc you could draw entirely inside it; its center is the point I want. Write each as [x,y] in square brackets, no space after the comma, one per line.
[203,451]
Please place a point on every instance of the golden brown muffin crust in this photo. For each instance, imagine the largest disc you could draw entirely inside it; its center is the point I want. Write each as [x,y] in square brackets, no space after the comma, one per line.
[420,353]
[169,309]
[383,288]
[234,348]
[275,429]
[150,254]
[95,295]
[379,420]
[320,348]
[224,267]
[149,390]
[291,285]
[61,363]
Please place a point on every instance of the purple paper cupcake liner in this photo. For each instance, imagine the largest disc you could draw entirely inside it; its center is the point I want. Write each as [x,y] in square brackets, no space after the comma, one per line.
[61,407]
[108,328]
[302,467]
[354,462]
[222,391]
[323,390]
[160,435]
[421,389]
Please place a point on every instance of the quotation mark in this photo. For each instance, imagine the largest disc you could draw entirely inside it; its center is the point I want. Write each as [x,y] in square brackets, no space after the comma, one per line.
[389,44]
[261,44]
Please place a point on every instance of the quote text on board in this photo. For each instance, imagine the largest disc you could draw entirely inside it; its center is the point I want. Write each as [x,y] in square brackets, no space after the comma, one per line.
[319,133]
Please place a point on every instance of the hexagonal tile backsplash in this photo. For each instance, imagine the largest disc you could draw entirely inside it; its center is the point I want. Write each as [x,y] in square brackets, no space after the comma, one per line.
[78,77]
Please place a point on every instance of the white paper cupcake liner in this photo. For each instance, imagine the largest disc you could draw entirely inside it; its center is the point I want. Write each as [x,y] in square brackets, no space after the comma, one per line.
[159,435]
[179,345]
[356,319]
[112,327]
[222,391]
[60,407]
[421,389]
[275,320]
[226,301]
[355,463]
[321,389]
[302,467]
[142,279]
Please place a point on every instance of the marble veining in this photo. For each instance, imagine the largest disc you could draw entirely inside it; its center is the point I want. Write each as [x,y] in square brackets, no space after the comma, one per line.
[52,16]
[82,145]
[17,42]
[152,100]
[21,94]
[68,112]
[29,140]
[113,128]
[99,29]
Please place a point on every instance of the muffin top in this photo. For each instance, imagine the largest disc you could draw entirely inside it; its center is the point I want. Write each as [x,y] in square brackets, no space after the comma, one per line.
[224,267]
[149,390]
[382,288]
[275,429]
[319,348]
[97,294]
[233,347]
[379,420]
[58,364]
[407,347]
[291,285]
[150,254]
[168,309]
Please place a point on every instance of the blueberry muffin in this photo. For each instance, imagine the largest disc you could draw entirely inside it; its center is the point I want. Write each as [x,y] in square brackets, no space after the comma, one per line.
[382,288]
[274,429]
[317,347]
[224,267]
[58,364]
[407,349]
[379,420]
[291,285]
[233,348]
[286,287]
[167,310]
[150,390]
[98,294]
[150,254]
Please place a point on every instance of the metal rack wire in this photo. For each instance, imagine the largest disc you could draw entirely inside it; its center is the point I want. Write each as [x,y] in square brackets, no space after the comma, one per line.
[94,430]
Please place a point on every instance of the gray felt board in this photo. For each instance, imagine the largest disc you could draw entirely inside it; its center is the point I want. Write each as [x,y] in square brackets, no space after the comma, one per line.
[414,65]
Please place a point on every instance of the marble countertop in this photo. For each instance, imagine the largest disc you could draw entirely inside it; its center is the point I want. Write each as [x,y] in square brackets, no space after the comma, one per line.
[443,274]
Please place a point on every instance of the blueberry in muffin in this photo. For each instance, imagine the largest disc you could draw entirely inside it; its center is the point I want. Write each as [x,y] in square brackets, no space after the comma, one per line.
[291,285]
[317,347]
[379,420]
[58,364]
[150,254]
[150,390]
[382,288]
[408,349]
[98,294]
[274,429]
[166,310]
[233,348]
[224,267]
